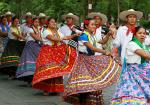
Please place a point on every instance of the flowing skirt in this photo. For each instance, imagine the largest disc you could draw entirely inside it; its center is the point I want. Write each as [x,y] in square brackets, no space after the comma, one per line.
[26,67]
[88,98]
[53,63]
[12,53]
[90,74]
[3,43]
[134,86]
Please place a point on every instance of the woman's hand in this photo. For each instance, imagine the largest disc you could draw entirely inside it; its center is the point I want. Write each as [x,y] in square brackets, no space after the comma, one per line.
[72,36]
[113,31]
[108,53]
[78,34]
[21,38]
[64,38]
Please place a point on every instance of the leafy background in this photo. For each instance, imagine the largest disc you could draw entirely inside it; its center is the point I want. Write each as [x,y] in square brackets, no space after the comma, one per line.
[57,8]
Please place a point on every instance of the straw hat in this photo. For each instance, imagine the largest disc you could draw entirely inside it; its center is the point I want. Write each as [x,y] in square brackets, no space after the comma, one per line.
[76,18]
[102,16]
[123,15]
[28,14]
[42,15]
[8,13]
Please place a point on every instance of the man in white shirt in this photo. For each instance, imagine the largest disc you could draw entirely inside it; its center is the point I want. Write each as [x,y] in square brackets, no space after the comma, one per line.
[70,32]
[42,20]
[69,29]
[125,33]
[25,27]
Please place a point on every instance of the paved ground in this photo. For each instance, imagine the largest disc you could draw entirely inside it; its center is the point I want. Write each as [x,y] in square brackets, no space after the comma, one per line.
[13,92]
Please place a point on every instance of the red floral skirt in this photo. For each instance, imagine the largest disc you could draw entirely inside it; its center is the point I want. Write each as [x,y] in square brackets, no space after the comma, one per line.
[52,64]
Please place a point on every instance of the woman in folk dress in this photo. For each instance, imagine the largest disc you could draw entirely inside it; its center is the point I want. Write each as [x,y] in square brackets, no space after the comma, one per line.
[54,61]
[27,64]
[13,50]
[90,73]
[134,85]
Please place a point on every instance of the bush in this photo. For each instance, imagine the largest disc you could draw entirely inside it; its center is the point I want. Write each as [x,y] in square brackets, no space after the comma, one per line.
[145,23]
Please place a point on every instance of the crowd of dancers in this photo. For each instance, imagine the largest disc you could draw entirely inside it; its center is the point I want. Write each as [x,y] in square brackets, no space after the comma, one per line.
[78,61]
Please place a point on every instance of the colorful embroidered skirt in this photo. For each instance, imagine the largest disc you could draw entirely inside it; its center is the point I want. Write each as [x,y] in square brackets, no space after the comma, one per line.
[90,74]
[27,61]
[12,53]
[134,86]
[53,63]
[89,98]
[3,43]
[1,47]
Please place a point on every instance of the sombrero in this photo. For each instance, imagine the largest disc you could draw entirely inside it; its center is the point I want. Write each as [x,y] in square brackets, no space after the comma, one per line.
[8,13]
[76,18]
[28,14]
[123,15]
[42,15]
[102,16]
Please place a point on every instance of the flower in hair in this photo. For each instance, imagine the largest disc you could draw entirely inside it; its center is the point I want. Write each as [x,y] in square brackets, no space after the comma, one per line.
[86,22]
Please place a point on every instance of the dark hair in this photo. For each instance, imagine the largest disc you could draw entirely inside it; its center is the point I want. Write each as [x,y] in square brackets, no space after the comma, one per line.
[86,22]
[49,19]
[138,28]
[35,18]
[13,19]
[28,17]
[2,17]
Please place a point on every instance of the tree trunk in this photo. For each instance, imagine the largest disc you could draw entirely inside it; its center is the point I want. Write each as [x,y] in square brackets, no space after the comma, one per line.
[90,6]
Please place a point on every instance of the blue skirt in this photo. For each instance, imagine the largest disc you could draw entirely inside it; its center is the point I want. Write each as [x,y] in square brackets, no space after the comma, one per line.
[28,58]
[134,86]
[3,43]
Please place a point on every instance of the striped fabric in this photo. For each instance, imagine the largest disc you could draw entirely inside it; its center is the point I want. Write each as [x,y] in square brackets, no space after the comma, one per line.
[91,73]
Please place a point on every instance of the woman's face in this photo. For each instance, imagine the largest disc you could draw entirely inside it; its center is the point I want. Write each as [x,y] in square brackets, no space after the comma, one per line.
[52,23]
[9,18]
[141,34]
[36,22]
[16,22]
[91,26]
[4,21]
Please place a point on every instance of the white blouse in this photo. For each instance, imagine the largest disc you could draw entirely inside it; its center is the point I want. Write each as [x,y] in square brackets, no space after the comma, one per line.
[47,41]
[24,29]
[14,29]
[131,56]
[147,40]
[29,37]
[82,39]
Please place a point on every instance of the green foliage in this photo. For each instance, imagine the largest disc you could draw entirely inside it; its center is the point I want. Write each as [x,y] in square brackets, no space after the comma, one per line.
[3,7]
[145,23]
[57,8]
